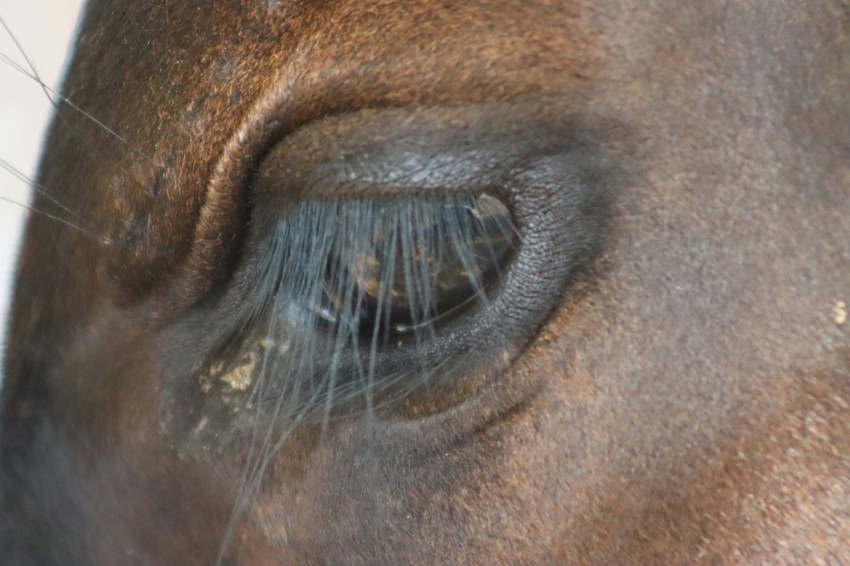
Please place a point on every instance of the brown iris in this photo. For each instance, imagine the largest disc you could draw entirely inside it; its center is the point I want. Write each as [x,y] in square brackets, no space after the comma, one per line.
[405,265]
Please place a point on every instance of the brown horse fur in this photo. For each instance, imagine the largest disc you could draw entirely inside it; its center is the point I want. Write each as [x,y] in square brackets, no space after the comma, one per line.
[686,402]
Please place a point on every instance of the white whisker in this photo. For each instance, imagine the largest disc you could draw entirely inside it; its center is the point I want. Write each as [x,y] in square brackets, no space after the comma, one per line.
[52,95]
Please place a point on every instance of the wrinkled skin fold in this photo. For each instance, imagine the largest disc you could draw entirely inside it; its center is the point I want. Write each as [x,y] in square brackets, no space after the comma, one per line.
[664,377]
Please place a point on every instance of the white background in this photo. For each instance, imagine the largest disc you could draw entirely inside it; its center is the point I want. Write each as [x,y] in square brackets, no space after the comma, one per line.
[44,29]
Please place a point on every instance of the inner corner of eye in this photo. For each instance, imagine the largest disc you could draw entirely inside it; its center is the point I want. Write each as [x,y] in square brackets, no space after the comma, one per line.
[379,266]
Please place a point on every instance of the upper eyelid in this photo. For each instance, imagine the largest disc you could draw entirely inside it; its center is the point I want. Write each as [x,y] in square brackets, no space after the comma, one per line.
[432,149]
[519,150]
[274,160]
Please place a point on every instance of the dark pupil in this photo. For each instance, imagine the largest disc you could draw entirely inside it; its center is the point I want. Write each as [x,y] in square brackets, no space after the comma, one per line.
[401,266]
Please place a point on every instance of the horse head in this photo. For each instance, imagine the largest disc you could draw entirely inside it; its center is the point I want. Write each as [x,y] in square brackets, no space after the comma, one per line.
[427,282]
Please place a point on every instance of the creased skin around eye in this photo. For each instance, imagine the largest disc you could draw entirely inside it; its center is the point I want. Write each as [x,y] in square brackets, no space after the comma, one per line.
[377,264]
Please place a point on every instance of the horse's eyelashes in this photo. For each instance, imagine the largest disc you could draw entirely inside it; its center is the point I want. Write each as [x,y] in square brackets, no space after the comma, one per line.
[417,261]
[351,294]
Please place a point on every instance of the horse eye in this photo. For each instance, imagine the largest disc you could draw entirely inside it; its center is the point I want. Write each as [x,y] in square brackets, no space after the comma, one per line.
[354,296]
[402,267]
[397,273]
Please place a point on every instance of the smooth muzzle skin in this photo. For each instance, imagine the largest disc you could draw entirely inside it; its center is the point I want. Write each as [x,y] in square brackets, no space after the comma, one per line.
[682,397]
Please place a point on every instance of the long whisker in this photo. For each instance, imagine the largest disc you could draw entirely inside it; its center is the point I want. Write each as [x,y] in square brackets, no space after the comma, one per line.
[103,240]
[40,189]
[52,95]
